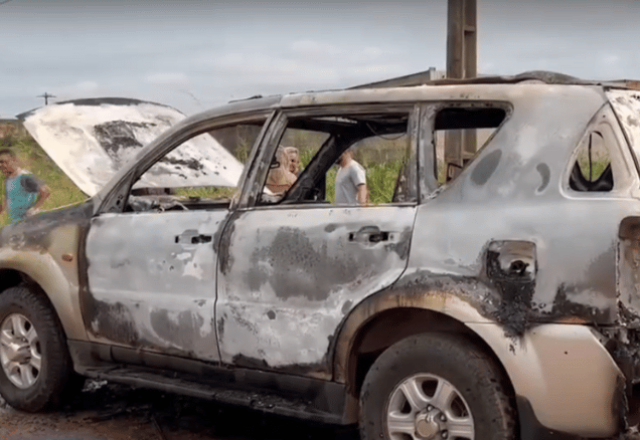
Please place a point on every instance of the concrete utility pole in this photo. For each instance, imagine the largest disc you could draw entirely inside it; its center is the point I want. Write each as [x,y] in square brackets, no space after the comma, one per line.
[462,62]
[46,97]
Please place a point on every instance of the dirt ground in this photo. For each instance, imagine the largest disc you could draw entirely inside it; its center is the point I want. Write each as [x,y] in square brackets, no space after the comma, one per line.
[113,412]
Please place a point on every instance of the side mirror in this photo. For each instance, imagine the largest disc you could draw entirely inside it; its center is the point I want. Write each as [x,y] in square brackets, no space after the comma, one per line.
[453,171]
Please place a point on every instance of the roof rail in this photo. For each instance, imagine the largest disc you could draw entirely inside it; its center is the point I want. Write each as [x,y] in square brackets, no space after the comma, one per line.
[421,79]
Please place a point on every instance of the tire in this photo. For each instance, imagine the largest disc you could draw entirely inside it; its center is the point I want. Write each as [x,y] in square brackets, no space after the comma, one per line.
[46,389]
[421,365]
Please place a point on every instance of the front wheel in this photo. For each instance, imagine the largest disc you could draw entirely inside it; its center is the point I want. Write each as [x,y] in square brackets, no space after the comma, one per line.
[432,387]
[35,367]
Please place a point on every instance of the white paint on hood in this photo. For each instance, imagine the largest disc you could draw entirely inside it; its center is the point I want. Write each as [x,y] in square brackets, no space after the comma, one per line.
[90,140]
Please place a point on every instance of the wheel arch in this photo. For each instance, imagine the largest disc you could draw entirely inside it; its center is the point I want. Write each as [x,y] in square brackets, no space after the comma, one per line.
[51,285]
[366,333]
[10,278]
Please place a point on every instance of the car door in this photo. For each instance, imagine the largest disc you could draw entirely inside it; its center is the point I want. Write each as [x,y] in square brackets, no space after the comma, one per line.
[151,270]
[291,271]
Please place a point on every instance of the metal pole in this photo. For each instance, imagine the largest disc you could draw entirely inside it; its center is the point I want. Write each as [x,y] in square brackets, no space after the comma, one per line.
[461,63]
[455,69]
[470,137]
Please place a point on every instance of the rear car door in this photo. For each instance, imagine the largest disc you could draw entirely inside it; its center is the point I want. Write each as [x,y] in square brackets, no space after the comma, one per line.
[292,267]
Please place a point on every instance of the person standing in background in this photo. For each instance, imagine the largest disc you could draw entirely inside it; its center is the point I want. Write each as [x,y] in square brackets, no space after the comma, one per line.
[24,194]
[351,182]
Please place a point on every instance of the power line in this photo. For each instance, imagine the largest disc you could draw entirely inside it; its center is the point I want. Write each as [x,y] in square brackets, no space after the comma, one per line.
[4,2]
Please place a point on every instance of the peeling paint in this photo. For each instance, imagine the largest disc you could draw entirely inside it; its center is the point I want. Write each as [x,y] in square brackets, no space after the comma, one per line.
[506,246]
[301,277]
[90,140]
[166,291]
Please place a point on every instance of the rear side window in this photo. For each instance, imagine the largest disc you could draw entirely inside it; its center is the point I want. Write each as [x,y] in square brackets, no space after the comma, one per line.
[305,167]
[459,134]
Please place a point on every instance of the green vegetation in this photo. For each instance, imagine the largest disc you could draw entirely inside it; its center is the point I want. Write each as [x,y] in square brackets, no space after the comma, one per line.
[207,193]
[598,166]
[382,158]
[34,159]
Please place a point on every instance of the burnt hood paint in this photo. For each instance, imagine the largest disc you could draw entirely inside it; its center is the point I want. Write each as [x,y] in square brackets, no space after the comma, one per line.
[91,139]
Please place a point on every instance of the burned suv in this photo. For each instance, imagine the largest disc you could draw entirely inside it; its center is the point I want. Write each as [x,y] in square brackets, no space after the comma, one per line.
[490,294]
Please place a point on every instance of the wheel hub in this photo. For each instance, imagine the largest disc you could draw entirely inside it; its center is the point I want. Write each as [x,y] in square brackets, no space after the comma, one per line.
[18,352]
[428,407]
[427,426]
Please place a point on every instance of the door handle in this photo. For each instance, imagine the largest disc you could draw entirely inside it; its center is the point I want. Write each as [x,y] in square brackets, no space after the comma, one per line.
[193,238]
[369,234]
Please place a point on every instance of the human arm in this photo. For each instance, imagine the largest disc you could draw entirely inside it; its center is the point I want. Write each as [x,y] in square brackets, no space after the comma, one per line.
[32,185]
[363,194]
[43,195]
[359,178]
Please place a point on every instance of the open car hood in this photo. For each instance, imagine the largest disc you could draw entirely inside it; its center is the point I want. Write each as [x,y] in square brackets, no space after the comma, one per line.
[91,139]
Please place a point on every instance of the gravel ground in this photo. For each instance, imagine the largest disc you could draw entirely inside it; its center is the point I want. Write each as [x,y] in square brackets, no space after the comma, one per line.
[113,412]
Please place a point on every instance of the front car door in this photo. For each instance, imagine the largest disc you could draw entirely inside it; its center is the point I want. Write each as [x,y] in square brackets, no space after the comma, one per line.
[292,267]
[152,268]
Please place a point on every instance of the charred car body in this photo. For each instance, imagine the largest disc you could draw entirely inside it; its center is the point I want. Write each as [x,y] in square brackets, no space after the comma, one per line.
[501,301]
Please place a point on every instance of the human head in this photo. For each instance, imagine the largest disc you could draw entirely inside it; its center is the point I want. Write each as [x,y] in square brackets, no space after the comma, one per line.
[8,161]
[345,158]
[282,157]
[294,159]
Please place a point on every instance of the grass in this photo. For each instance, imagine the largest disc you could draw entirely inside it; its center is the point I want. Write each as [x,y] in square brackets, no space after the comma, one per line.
[381,177]
[207,193]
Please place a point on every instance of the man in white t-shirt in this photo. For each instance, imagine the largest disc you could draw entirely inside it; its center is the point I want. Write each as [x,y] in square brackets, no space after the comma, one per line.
[351,182]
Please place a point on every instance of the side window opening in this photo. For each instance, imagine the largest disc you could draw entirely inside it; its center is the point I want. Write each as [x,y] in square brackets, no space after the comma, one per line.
[376,171]
[591,171]
[200,173]
[464,131]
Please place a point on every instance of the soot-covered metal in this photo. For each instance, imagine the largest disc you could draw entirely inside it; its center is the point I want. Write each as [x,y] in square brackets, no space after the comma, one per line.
[538,272]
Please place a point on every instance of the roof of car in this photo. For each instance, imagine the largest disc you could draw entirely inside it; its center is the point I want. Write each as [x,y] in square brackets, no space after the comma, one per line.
[421,79]
[545,77]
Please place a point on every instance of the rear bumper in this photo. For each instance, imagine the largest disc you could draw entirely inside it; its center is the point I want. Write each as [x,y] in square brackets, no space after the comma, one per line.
[566,382]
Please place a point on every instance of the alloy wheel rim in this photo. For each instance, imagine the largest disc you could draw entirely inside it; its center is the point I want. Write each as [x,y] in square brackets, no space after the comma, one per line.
[428,407]
[20,351]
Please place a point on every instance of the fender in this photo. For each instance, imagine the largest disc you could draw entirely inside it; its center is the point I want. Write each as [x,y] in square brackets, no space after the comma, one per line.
[392,299]
[525,358]
[49,257]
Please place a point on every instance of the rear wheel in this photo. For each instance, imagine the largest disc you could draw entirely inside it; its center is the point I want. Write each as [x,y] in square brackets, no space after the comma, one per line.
[35,367]
[435,386]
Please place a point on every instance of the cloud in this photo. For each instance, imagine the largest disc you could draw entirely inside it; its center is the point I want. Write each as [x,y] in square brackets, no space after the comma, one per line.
[610,59]
[167,78]
[311,47]
[301,65]
[195,53]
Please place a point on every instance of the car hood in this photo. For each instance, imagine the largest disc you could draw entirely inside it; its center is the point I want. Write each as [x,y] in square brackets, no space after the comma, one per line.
[91,139]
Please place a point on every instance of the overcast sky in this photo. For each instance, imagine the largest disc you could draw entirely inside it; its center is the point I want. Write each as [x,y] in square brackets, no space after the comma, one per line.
[195,54]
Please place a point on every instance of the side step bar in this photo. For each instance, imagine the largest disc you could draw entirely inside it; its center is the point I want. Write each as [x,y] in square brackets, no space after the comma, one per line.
[258,400]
